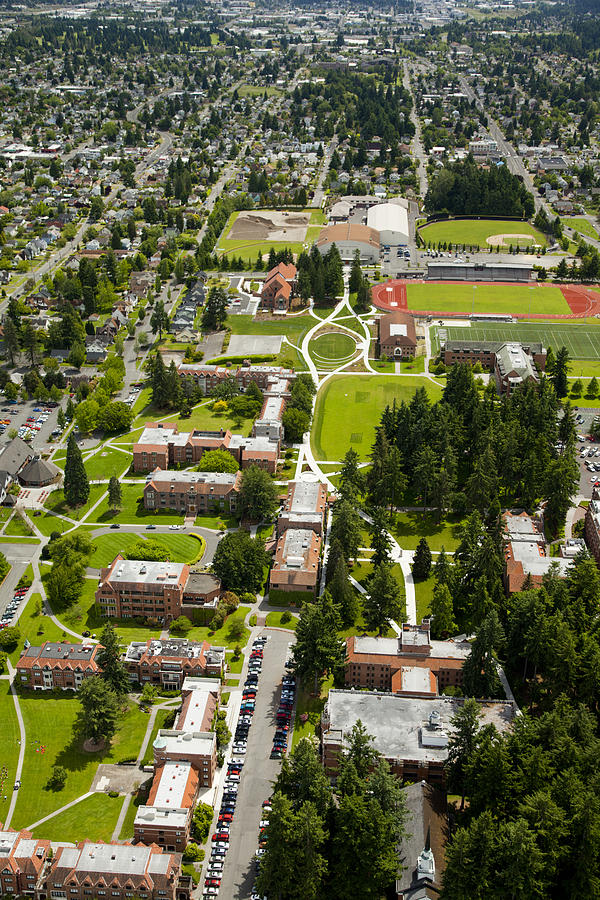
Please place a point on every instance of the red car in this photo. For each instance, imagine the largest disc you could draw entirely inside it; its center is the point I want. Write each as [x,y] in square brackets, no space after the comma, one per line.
[221,836]
[212,882]
[226,817]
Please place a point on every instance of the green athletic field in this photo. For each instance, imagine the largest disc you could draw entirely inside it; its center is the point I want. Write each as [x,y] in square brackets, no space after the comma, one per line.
[582,341]
[476,231]
[349,407]
[332,346]
[504,299]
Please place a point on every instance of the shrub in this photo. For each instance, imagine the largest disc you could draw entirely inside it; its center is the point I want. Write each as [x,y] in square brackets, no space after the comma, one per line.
[201,822]
[113,794]
[252,620]
[286,617]
[57,779]
[193,853]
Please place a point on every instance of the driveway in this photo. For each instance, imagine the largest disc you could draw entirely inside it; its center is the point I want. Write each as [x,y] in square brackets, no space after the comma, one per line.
[259,771]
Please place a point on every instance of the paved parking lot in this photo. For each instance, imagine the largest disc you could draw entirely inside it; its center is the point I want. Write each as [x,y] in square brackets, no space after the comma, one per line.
[18,414]
[586,477]
[259,771]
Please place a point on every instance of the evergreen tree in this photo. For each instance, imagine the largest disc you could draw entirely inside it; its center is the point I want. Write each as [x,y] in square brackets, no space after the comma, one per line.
[343,594]
[380,539]
[461,745]
[561,372]
[422,560]
[442,570]
[99,709]
[114,493]
[351,480]
[109,660]
[355,274]
[215,309]
[158,381]
[346,528]
[76,484]
[11,339]
[442,612]
[258,493]
[159,320]
[480,672]
[318,650]
[384,600]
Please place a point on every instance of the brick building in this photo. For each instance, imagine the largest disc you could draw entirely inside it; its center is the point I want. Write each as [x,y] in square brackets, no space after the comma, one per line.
[22,860]
[192,493]
[158,590]
[168,663]
[97,871]
[57,665]
[166,818]
[297,559]
[526,554]
[278,288]
[488,352]
[304,507]
[592,525]
[208,377]
[411,664]
[411,733]
[397,336]
[161,445]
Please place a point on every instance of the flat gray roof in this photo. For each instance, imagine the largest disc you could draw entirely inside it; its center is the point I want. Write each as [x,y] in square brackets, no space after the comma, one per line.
[135,570]
[119,859]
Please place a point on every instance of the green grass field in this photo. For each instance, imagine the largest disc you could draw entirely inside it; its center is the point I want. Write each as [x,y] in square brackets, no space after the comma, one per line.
[10,746]
[582,341]
[274,621]
[423,597]
[182,547]
[94,818]
[132,510]
[49,724]
[504,299]
[335,345]
[107,462]
[18,526]
[410,527]
[225,636]
[477,231]
[350,406]
[582,226]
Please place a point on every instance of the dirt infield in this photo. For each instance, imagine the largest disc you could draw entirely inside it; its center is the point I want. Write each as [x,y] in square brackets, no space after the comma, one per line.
[500,240]
[273,225]
[391,296]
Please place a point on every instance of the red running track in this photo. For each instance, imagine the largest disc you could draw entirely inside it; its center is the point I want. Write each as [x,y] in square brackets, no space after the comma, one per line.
[391,296]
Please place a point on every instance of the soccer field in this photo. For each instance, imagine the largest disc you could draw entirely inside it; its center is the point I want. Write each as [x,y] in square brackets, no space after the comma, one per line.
[473,232]
[582,341]
[505,299]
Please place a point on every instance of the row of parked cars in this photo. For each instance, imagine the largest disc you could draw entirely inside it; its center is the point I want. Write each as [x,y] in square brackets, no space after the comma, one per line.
[9,613]
[284,713]
[262,842]
[220,838]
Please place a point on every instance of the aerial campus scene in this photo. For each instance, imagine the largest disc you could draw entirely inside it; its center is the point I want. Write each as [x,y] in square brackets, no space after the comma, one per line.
[299,450]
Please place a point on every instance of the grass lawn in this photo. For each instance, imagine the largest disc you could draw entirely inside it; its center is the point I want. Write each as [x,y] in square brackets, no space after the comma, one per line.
[584,368]
[35,628]
[84,616]
[334,345]
[410,527]
[581,225]
[159,722]
[350,402]
[10,746]
[224,636]
[216,523]
[274,621]
[311,707]
[107,462]
[56,503]
[49,723]
[94,818]
[18,526]
[423,596]
[201,417]
[294,328]
[543,299]
[18,540]
[132,511]
[181,547]
[140,799]
[234,666]
[257,90]
[477,231]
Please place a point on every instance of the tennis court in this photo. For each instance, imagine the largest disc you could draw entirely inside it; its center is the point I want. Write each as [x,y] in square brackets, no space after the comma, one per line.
[582,341]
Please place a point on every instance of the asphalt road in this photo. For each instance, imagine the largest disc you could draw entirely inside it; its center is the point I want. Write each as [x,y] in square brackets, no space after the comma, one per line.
[259,771]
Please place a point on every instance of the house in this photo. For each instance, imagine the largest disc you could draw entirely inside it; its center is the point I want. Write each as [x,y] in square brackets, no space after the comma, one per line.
[397,336]
[411,733]
[393,664]
[526,556]
[192,492]
[421,852]
[125,870]
[278,287]
[168,663]
[158,590]
[57,665]
[22,861]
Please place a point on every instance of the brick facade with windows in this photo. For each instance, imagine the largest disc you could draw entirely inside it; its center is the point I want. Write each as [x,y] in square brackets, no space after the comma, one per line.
[59,665]
[192,493]
[22,859]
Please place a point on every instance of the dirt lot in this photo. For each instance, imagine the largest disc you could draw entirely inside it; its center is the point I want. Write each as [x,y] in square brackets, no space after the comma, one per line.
[273,225]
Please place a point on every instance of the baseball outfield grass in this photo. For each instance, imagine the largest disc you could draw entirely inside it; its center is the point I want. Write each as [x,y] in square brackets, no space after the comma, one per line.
[473,232]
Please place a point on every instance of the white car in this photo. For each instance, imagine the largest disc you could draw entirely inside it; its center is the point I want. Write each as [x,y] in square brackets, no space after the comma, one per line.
[263,823]
[174,527]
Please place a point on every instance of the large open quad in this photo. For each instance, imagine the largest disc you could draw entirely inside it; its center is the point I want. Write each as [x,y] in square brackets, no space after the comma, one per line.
[482,233]
[350,406]
[582,341]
